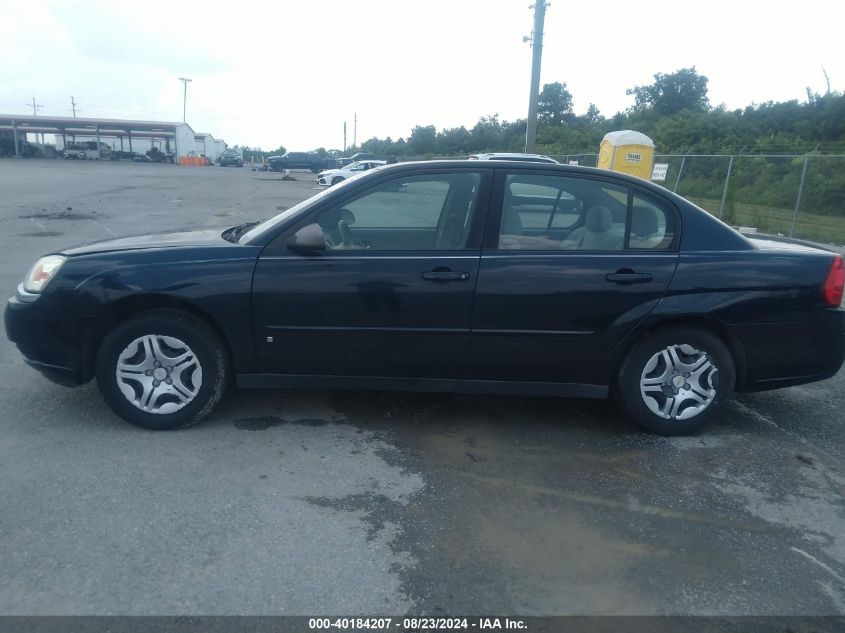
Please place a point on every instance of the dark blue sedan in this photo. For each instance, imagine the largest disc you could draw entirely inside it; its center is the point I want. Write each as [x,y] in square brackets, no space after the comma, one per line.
[472,276]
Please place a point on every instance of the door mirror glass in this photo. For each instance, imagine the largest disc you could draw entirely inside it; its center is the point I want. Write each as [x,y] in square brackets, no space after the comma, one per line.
[308,240]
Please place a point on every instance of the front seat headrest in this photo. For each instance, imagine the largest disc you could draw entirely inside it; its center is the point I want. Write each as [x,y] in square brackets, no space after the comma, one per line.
[598,220]
[644,221]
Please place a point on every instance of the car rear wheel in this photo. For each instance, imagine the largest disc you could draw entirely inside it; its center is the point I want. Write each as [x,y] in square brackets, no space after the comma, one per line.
[162,370]
[674,381]
[337,179]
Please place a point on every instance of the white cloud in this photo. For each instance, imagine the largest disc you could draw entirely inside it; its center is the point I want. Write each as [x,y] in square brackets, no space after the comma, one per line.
[290,72]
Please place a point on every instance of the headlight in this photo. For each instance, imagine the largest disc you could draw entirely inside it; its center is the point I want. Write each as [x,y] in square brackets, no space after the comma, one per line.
[43,271]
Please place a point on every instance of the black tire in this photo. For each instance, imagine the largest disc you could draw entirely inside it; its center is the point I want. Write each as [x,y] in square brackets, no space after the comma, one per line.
[337,179]
[201,341]
[627,390]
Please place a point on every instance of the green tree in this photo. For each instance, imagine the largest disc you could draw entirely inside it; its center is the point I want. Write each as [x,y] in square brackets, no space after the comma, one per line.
[487,134]
[555,103]
[683,89]
[592,115]
[423,140]
[455,141]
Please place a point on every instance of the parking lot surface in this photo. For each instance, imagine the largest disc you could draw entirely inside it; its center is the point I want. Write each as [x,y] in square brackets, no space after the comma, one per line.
[386,503]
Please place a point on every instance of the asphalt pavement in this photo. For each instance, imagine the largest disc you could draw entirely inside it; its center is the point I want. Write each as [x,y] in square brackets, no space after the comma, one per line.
[386,503]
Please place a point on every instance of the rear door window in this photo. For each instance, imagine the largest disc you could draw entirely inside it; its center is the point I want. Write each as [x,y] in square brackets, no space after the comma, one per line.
[550,212]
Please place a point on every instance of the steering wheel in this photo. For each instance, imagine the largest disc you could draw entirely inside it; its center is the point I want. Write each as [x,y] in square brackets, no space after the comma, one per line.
[345,234]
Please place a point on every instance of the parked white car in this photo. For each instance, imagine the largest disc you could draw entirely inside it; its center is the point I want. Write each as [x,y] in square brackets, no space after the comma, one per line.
[525,158]
[87,151]
[333,176]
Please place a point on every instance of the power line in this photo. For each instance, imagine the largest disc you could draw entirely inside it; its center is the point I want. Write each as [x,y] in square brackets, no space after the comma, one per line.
[140,110]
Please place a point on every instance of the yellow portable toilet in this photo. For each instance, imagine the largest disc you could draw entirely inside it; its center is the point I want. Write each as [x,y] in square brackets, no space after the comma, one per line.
[627,151]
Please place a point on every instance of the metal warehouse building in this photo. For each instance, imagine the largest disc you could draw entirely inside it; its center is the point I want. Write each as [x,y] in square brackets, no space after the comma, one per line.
[123,134]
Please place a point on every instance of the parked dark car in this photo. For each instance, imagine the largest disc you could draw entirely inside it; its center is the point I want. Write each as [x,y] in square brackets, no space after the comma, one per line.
[297,160]
[357,156]
[25,149]
[230,159]
[462,276]
[157,156]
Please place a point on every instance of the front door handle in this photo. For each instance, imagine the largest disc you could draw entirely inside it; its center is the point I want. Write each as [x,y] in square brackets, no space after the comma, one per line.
[627,276]
[445,275]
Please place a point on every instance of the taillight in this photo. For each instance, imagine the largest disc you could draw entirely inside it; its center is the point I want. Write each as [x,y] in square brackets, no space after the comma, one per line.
[834,283]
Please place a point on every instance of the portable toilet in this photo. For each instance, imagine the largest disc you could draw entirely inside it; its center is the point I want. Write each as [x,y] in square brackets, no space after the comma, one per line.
[627,151]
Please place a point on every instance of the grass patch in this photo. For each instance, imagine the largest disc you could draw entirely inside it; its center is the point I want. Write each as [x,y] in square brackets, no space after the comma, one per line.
[817,227]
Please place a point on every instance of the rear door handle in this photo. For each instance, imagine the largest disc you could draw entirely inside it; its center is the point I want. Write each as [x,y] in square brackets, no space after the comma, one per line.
[445,275]
[624,277]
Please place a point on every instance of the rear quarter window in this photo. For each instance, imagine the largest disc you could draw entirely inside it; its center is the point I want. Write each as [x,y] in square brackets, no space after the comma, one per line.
[652,224]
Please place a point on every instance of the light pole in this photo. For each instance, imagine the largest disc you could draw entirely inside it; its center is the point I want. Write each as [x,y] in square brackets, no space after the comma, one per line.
[536,58]
[185,81]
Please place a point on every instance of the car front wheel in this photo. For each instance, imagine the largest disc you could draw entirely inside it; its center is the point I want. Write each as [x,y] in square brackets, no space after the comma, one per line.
[162,370]
[337,179]
[674,381]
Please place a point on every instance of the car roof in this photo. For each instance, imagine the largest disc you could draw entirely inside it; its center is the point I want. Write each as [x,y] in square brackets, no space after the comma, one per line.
[522,165]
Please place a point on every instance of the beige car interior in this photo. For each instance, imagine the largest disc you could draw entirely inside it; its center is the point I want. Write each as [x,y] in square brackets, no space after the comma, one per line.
[598,229]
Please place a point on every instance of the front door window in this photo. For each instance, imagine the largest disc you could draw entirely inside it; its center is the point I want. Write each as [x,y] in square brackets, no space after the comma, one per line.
[429,212]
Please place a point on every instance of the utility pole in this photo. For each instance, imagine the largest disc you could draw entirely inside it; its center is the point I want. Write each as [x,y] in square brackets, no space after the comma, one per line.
[344,137]
[35,108]
[185,81]
[536,59]
[355,132]
[73,106]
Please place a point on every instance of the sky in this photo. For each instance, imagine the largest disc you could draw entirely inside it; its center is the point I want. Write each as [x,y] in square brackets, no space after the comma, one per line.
[290,72]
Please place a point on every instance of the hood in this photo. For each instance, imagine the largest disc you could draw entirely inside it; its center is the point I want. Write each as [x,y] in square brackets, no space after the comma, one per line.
[328,172]
[210,237]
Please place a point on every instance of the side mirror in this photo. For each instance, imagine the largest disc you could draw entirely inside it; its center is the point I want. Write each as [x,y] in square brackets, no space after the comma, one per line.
[309,240]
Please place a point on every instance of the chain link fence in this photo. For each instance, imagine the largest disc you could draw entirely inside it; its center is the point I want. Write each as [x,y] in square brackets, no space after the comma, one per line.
[799,195]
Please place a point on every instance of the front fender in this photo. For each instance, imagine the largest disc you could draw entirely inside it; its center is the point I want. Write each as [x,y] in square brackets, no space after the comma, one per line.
[109,287]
